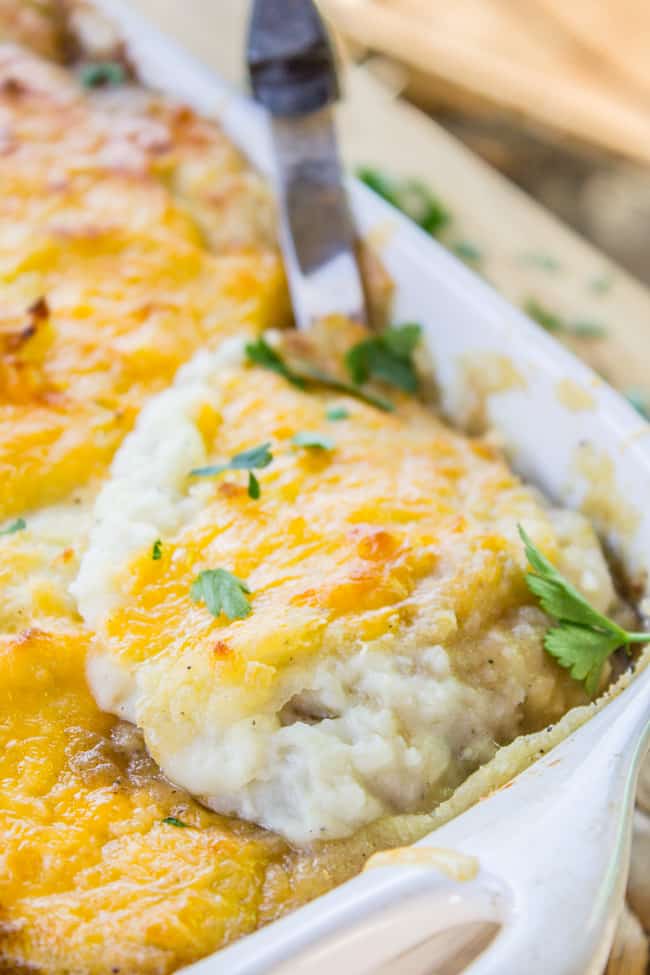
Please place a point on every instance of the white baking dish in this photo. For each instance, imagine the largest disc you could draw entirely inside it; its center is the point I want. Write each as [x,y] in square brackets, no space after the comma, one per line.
[552,849]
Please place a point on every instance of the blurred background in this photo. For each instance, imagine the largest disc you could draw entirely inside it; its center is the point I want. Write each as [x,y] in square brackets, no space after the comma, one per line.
[553,93]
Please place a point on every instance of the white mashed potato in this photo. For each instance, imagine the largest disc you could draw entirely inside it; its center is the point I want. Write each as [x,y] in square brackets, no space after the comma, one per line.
[363,719]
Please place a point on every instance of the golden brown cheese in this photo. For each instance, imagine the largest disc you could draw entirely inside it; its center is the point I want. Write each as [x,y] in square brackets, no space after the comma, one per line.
[108,281]
[91,878]
[392,641]
[92,881]
[343,535]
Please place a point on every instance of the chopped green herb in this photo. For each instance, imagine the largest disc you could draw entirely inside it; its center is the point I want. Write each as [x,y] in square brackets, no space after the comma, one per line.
[18,525]
[222,592]
[254,490]
[258,355]
[253,459]
[544,261]
[584,638]
[602,284]
[173,821]
[554,323]
[387,357]
[322,379]
[588,330]
[102,73]
[547,319]
[156,551]
[379,183]
[316,441]
[410,196]
[248,460]
[467,252]
[336,413]
[640,400]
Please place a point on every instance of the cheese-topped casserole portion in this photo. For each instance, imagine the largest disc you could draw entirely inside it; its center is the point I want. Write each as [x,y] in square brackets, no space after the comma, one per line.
[391,644]
[130,236]
[105,867]
[91,877]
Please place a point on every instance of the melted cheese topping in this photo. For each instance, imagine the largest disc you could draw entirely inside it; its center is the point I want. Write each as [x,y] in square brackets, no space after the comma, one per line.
[391,642]
[91,878]
[107,282]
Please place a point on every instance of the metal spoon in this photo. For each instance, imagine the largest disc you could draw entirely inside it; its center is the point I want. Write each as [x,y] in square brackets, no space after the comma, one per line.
[293,76]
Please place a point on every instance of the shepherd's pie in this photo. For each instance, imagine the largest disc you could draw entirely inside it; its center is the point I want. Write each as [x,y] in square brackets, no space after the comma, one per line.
[379,643]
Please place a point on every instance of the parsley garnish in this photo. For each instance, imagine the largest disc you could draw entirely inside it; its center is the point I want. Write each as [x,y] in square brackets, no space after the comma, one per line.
[222,592]
[260,353]
[254,489]
[248,460]
[387,357]
[322,379]
[156,550]
[173,821]
[554,323]
[336,413]
[102,73]
[547,319]
[315,441]
[255,458]
[410,196]
[602,284]
[467,252]
[588,330]
[18,525]
[584,638]
[544,261]
[640,400]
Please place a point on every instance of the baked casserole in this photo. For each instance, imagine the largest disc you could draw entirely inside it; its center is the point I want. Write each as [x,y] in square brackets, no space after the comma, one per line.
[182,763]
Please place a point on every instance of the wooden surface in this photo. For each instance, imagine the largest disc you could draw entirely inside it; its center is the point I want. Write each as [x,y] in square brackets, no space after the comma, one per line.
[525,253]
[580,67]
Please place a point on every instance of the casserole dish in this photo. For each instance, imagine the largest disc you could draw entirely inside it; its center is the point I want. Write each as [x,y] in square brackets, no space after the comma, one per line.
[532,371]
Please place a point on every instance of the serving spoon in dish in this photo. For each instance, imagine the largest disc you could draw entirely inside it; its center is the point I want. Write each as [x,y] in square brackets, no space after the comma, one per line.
[293,76]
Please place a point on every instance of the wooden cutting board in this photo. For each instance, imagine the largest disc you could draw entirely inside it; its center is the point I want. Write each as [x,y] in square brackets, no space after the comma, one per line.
[579,67]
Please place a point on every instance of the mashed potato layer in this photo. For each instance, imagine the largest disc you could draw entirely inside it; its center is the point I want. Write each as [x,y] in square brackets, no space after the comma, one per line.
[392,645]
